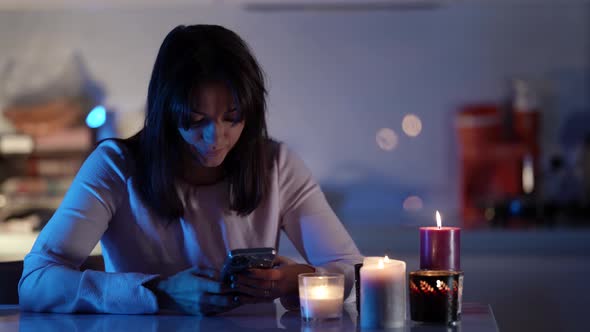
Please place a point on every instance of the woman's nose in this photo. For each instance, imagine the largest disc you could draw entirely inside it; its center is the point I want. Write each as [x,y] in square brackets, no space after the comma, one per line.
[212,132]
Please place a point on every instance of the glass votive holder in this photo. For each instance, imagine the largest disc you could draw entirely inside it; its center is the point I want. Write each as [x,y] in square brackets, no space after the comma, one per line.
[436,296]
[321,296]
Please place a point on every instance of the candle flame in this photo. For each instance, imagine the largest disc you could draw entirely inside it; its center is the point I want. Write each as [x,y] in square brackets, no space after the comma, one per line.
[380,265]
[438,219]
[386,259]
[319,292]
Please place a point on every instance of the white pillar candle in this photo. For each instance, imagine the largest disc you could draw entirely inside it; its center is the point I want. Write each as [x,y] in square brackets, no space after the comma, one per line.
[374,260]
[383,293]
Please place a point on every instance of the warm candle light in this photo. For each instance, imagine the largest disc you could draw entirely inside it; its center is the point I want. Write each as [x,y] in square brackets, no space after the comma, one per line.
[321,296]
[435,296]
[383,293]
[436,290]
[439,246]
[319,292]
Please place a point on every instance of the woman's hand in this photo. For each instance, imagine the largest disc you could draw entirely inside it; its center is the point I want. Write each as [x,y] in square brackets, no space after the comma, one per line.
[197,291]
[265,285]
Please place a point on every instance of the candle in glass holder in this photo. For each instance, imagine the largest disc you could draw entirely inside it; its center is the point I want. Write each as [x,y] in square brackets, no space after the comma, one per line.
[383,293]
[440,247]
[321,296]
[435,296]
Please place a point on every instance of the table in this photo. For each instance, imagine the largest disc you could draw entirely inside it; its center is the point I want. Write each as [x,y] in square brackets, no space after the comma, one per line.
[14,246]
[260,317]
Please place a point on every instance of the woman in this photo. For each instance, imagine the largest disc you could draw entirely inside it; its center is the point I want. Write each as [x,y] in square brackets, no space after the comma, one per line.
[200,179]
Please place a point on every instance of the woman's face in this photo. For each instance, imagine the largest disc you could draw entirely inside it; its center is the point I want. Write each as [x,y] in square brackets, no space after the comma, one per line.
[216,125]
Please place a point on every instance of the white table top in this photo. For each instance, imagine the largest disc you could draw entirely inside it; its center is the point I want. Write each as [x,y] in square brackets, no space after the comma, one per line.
[261,317]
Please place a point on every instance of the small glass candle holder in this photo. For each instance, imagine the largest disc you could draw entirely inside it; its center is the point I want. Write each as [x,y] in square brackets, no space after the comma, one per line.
[321,296]
[436,296]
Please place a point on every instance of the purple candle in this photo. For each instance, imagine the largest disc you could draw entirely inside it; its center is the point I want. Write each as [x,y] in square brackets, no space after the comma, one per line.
[440,247]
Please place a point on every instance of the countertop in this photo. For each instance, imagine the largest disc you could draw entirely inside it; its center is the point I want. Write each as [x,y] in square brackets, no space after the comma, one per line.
[261,317]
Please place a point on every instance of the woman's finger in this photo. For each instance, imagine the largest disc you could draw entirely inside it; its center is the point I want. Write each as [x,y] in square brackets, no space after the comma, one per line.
[254,283]
[282,260]
[205,272]
[262,274]
[260,288]
[200,284]
[212,286]
[258,293]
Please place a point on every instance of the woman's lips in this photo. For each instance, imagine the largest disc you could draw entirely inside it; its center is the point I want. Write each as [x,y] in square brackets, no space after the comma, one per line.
[214,153]
[208,154]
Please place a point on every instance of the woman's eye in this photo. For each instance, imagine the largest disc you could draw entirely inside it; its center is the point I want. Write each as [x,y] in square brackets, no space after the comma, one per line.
[197,121]
[234,116]
[233,119]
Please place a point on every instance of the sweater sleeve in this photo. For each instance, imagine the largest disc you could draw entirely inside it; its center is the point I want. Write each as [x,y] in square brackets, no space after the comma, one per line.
[51,279]
[310,223]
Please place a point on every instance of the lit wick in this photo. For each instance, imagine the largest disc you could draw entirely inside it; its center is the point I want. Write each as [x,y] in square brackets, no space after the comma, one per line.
[438,221]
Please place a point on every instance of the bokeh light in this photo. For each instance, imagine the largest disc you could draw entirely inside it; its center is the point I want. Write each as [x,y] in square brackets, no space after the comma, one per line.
[386,139]
[412,125]
[528,175]
[97,117]
[413,203]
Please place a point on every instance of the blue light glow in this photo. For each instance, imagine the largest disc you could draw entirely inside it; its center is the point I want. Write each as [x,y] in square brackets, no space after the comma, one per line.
[97,117]
[515,207]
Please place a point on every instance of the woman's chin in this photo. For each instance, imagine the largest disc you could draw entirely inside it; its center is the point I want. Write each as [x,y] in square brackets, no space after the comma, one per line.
[211,161]
[208,160]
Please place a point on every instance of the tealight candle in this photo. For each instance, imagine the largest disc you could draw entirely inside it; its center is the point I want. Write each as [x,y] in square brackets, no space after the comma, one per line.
[383,293]
[440,247]
[435,296]
[321,296]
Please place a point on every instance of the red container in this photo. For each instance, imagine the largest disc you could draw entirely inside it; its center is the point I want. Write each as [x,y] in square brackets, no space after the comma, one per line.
[478,125]
[478,130]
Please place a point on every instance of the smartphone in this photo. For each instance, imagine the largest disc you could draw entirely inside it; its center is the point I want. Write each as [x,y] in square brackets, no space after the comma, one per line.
[243,259]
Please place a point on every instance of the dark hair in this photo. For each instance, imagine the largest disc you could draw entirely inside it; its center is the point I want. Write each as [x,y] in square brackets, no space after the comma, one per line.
[191,56]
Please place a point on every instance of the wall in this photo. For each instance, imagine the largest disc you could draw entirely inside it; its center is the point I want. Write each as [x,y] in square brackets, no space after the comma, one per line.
[335,78]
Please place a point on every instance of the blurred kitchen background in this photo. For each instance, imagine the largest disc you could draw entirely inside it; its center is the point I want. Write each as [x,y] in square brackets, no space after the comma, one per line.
[477,108]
